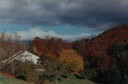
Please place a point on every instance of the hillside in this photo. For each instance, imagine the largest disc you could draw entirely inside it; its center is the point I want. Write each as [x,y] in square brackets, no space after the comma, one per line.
[98,46]
[73,80]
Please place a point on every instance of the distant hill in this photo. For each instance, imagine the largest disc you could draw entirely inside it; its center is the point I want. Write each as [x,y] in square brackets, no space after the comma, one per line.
[98,46]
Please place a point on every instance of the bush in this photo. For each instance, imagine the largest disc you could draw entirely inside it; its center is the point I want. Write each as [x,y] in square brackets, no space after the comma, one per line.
[7,67]
[91,73]
[115,75]
[53,69]
[27,70]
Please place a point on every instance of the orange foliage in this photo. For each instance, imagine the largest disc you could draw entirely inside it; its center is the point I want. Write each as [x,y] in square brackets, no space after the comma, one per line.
[71,60]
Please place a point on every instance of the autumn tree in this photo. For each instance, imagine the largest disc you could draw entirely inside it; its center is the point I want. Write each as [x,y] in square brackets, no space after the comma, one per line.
[49,46]
[37,45]
[71,60]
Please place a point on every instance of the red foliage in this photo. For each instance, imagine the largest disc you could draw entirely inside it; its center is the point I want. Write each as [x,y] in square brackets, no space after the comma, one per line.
[49,46]
[98,46]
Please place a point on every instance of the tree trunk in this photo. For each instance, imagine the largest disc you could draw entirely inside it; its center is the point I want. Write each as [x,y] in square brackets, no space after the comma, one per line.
[13,71]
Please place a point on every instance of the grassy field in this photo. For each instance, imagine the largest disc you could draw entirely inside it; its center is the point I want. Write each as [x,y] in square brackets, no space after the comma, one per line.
[70,80]
[8,80]
[73,80]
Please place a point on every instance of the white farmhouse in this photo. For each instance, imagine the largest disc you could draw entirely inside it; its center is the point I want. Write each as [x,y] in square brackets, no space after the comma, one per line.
[23,56]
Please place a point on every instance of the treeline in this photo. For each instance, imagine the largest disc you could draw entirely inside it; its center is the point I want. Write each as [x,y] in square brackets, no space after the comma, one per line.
[98,64]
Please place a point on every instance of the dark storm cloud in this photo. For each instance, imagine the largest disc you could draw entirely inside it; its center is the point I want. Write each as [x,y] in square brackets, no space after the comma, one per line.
[89,13]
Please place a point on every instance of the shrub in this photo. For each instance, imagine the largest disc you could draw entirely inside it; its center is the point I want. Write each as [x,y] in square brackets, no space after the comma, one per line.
[53,69]
[91,73]
[7,67]
[27,70]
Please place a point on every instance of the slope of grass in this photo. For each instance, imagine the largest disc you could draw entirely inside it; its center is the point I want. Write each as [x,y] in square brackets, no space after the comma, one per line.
[8,80]
[73,80]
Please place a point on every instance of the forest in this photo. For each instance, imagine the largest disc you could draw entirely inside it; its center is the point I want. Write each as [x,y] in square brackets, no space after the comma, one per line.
[102,59]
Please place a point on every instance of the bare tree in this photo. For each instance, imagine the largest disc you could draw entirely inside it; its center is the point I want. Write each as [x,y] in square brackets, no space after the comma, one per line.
[9,45]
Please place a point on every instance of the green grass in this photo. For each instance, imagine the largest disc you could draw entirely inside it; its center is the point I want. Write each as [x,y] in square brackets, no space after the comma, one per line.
[73,80]
[7,80]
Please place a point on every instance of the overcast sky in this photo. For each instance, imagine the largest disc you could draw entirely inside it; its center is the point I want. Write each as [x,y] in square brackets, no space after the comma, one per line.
[66,18]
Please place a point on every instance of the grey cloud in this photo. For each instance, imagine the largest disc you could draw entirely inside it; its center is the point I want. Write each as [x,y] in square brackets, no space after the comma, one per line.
[90,13]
